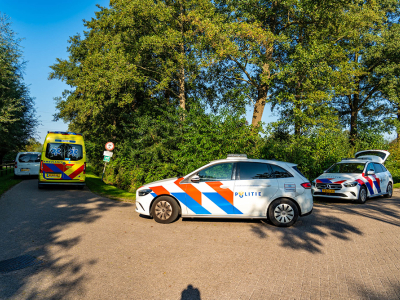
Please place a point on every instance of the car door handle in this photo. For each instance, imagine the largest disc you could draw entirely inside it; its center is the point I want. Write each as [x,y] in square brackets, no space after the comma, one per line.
[266,185]
[224,186]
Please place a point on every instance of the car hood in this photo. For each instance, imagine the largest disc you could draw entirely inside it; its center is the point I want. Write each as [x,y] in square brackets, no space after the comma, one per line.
[161,182]
[337,177]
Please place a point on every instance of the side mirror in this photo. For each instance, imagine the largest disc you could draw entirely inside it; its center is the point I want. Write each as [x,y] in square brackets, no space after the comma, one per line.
[195,178]
[371,172]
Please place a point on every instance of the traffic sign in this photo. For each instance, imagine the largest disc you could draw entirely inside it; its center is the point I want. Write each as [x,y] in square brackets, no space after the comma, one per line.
[109,146]
[106,158]
[108,153]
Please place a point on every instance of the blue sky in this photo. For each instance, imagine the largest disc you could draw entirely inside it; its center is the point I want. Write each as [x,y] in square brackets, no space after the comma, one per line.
[45,27]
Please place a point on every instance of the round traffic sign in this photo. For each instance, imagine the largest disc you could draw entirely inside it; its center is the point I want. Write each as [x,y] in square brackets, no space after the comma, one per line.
[109,146]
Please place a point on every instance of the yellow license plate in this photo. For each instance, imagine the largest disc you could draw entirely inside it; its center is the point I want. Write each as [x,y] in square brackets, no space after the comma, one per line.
[328,191]
[53,175]
[24,170]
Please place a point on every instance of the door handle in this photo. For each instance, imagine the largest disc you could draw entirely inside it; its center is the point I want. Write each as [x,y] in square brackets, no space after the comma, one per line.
[224,186]
[265,185]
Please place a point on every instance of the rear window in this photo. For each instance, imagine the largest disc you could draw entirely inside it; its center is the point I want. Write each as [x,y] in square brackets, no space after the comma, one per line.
[298,171]
[279,172]
[369,153]
[29,158]
[248,171]
[62,151]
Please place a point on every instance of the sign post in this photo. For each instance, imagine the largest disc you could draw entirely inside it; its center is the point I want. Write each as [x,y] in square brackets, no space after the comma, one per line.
[107,156]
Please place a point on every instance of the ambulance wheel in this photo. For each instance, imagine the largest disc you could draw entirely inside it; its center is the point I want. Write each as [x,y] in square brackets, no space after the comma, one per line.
[165,210]
[283,213]
[362,195]
[389,191]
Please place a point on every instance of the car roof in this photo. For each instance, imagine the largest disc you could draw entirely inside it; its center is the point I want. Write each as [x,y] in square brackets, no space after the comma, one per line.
[355,160]
[28,153]
[270,161]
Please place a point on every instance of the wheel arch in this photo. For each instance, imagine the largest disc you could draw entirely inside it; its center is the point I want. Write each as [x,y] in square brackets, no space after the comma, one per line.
[165,195]
[281,198]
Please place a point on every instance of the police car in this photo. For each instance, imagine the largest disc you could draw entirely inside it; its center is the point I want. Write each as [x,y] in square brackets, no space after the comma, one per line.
[356,178]
[235,187]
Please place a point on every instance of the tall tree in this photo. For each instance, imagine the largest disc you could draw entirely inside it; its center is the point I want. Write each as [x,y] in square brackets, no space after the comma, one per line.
[17,113]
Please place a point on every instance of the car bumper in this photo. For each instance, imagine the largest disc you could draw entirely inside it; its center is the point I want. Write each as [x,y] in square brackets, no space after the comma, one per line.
[349,193]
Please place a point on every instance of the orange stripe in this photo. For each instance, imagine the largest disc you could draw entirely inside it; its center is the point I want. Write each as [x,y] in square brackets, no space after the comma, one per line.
[193,192]
[76,172]
[226,193]
[159,190]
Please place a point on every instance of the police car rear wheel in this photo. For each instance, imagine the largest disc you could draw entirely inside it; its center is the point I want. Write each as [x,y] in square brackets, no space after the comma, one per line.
[283,213]
[362,195]
[165,210]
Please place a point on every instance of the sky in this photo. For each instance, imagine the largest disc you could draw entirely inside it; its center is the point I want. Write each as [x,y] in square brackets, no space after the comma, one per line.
[45,27]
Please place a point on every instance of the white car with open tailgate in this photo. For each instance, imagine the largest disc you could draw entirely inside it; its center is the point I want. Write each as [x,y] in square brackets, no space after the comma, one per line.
[356,179]
[236,187]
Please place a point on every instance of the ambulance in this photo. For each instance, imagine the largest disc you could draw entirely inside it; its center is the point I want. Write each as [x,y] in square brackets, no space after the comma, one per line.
[63,160]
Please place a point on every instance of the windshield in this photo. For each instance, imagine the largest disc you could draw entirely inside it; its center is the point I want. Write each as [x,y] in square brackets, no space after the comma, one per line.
[347,168]
[61,151]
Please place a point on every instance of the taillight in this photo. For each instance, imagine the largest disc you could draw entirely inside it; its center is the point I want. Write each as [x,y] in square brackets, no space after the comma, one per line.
[41,166]
[84,168]
[16,165]
[306,185]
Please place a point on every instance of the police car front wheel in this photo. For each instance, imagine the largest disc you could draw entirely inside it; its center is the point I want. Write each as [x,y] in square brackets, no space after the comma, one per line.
[165,210]
[283,213]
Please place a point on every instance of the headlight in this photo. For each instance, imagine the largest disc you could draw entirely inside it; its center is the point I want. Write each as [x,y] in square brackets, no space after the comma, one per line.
[350,184]
[144,192]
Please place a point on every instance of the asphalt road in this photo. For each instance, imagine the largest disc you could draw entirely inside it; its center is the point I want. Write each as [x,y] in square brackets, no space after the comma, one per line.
[83,246]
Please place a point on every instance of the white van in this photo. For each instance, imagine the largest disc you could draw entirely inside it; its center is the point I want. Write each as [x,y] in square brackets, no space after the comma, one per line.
[27,163]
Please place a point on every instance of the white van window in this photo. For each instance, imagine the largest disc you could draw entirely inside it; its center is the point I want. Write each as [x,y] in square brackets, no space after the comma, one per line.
[29,158]
[61,151]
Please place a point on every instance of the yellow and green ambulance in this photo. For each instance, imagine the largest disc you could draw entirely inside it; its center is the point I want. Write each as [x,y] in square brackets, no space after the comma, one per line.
[63,159]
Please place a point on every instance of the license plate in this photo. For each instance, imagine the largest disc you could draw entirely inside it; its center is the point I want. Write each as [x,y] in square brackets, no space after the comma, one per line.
[53,175]
[25,170]
[328,191]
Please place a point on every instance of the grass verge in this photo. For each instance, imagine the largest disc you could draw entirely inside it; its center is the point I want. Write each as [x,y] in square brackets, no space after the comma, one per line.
[396,185]
[7,182]
[94,183]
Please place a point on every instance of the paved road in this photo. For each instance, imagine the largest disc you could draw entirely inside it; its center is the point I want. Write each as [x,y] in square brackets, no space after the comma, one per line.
[90,247]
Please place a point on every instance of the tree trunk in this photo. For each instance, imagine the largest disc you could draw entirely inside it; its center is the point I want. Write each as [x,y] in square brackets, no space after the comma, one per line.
[353,119]
[182,97]
[260,104]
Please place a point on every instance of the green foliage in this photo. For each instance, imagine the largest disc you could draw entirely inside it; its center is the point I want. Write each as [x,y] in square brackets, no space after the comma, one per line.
[17,114]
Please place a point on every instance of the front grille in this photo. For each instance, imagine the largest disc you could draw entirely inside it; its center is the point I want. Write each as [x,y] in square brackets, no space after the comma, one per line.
[330,194]
[330,186]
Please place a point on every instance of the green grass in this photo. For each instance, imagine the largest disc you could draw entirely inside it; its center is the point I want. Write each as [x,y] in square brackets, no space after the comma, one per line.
[94,183]
[7,182]
[396,185]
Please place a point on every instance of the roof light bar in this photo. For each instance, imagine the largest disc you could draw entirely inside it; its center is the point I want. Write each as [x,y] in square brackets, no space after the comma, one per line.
[241,156]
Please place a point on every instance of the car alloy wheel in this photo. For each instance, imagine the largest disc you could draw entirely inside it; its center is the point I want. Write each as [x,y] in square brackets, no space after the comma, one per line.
[362,196]
[389,191]
[283,212]
[165,210]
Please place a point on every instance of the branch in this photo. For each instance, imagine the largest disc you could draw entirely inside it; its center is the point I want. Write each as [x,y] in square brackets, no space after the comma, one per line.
[243,70]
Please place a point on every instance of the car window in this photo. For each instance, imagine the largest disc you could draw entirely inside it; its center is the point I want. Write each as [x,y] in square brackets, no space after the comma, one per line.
[61,151]
[279,172]
[216,172]
[249,170]
[384,168]
[378,168]
[371,167]
[347,168]
[24,158]
[298,171]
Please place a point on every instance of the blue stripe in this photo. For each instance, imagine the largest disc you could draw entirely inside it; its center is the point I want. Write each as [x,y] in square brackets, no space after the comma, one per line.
[223,204]
[55,169]
[377,187]
[191,204]
[153,194]
[325,180]
[370,189]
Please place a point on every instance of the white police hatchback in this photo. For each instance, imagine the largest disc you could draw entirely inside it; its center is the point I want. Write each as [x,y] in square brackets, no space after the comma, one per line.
[236,187]
[356,179]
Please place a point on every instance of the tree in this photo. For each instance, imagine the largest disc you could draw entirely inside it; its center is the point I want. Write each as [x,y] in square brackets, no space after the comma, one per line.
[17,113]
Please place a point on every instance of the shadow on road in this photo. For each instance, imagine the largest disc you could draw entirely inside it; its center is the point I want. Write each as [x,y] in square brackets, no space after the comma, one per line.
[190,293]
[30,223]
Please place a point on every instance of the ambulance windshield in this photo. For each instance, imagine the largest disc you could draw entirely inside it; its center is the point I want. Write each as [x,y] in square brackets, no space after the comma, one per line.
[61,151]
